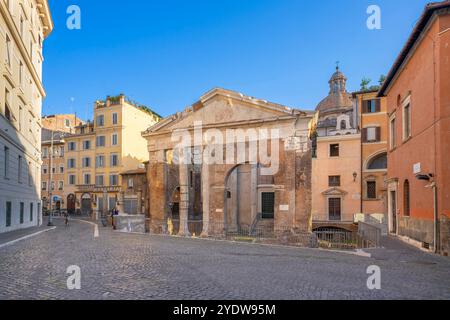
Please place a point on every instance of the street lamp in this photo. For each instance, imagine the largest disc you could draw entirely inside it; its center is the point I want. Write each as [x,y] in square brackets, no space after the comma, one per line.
[50,187]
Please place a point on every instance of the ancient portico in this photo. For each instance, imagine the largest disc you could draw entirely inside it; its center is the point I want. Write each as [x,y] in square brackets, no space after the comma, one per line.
[230,163]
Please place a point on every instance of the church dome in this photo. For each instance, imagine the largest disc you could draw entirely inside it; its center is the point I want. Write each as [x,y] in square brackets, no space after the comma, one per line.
[338,97]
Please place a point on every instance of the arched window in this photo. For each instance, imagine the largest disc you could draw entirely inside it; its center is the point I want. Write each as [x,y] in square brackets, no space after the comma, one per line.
[379,162]
[343,124]
[406,199]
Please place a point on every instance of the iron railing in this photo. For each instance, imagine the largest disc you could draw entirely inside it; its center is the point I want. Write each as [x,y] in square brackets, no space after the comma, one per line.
[369,235]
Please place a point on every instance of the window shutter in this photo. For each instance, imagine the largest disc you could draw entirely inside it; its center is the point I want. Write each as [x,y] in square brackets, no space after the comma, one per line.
[378,134]
[377,105]
[365,106]
[364,135]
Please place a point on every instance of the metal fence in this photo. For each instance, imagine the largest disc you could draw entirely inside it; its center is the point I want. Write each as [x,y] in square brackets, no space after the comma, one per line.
[369,235]
[264,232]
[334,238]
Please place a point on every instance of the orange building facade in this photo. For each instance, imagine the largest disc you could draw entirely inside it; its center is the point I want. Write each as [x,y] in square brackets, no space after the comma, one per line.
[418,100]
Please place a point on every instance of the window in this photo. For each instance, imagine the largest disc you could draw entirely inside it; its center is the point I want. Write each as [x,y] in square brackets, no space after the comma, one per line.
[72,146]
[20,122]
[72,179]
[114,160]
[100,161]
[8,213]
[45,153]
[393,136]
[19,169]
[371,189]
[114,139]
[44,186]
[334,181]
[86,145]
[53,185]
[343,125]
[407,121]
[379,162]
[406,199]
[371,134]
[268,205]
[22,212]
[71,164]
[67,123]
[87,179]
[101,141]
[31,212]
[86,162]
[114,118]
[61,169]
[8,51]
[334,150]
[100,120]
[371,106]
[61,185]
[21,77]
[114,180]
[100,180]
[61,152]
[30,175]
[6,164]
[21,28]
[8,114]
[53,170]
[334,209]
[130,183]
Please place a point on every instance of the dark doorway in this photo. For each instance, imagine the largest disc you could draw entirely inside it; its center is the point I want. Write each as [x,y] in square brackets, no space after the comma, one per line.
[268,205]
[334,209]
[394,211]
[86,205]
[71,204]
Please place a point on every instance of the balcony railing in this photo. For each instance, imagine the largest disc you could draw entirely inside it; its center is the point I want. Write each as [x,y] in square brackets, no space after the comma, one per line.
[95,188]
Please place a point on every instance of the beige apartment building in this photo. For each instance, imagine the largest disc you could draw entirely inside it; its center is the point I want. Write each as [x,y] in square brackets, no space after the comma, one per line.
[349,159]
[61,122]
[336,165]
[24,24]
[100,151]
[373,119]
[55,128]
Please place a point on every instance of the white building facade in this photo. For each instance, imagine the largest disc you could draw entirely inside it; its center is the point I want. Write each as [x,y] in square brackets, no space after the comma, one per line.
[24,24]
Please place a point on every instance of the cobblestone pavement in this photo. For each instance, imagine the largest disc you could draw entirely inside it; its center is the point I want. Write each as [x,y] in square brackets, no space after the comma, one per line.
[124,266]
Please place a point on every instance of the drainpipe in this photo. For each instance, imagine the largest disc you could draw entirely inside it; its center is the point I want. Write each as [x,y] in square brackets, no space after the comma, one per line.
[436,219]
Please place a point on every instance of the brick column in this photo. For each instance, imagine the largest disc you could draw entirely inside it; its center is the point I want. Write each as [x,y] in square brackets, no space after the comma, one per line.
[205,194]
[184,195]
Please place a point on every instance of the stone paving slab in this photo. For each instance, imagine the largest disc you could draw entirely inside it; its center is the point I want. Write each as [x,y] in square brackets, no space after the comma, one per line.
[145,267]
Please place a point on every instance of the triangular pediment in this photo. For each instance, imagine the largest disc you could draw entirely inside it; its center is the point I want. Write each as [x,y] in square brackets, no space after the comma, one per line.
[334,192]
[220,107]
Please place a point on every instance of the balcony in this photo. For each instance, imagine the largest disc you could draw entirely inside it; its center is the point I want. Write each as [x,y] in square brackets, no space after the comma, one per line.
[97,189]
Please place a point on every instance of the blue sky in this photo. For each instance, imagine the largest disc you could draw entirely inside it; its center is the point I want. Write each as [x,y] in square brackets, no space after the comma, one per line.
[167,53]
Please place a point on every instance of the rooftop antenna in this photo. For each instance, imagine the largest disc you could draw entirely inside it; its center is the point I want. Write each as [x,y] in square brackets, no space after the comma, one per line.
[72,99]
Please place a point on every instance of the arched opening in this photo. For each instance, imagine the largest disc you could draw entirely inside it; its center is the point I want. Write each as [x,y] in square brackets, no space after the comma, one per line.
[343,125]
[86,204]
[71,203]
[173,220]
[378,162]
[249,201]
[406,199]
